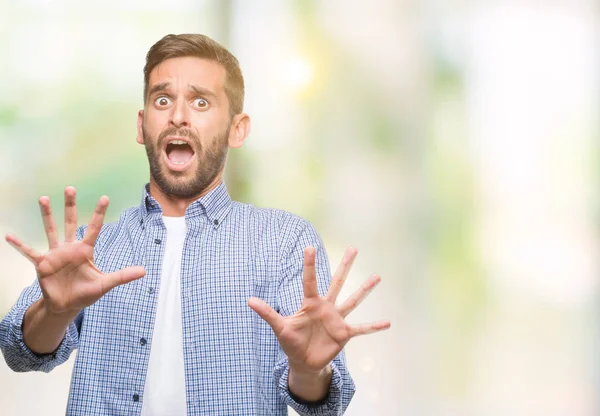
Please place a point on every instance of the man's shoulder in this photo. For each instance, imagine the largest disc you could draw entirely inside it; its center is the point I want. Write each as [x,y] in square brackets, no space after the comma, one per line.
[128,215]
[282,220]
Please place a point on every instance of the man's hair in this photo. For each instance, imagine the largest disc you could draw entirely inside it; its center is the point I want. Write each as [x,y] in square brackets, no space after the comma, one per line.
[199,46]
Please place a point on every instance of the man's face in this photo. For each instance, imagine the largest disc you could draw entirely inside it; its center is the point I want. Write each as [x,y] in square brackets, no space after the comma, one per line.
[185,125]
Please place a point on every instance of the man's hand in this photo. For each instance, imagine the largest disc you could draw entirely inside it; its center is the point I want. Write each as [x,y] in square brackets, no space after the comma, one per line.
[313,336]
[66,273]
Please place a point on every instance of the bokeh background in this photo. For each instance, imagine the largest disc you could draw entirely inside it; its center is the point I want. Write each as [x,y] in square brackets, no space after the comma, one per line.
[455,143]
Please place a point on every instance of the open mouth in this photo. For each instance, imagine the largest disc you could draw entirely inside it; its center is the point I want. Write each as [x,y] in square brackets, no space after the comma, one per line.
[179,153]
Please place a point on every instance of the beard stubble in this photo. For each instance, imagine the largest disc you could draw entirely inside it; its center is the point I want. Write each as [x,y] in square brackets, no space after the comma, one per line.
[186,185]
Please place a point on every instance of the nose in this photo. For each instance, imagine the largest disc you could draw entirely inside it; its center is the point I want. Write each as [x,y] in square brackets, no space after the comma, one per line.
[179,115]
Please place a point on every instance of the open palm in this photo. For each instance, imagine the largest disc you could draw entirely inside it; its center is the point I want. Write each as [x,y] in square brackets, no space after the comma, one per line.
[68,278]
[313,336]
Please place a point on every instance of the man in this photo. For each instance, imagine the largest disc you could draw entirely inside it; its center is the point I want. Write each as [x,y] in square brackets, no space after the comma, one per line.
[190,303]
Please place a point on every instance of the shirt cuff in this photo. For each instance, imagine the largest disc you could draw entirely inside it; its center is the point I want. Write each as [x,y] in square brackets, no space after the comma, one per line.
[27,360]
[331,405]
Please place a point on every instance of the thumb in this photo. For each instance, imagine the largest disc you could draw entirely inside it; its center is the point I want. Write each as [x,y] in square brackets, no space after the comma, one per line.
[123,276]
[267,313]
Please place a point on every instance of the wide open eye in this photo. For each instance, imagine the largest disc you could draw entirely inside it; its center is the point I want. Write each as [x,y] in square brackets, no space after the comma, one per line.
[200,103]
[162,102]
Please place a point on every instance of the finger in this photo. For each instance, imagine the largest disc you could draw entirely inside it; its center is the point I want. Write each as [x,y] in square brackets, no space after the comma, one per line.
[341,273]
[121,277]
[357,297]
[49,224]
[93,228]
[30,253]
[309,274]
[70,214]
[365,329]
[267,313]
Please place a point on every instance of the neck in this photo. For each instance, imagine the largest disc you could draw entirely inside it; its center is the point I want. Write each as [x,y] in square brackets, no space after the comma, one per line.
[173,206]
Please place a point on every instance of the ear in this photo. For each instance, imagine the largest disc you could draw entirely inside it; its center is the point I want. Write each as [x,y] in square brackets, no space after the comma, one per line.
[240,129]
[140,129]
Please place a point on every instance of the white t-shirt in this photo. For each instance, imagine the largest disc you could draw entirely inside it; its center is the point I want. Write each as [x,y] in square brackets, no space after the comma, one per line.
[164,393]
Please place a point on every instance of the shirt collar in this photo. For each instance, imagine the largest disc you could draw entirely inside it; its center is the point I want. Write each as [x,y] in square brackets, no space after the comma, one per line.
[214,205]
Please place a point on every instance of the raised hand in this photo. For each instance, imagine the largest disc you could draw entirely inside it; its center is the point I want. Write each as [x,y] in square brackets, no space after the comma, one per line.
[66,272]
[312,337]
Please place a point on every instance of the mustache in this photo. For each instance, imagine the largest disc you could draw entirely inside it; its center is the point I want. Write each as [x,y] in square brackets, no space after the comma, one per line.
[182,132]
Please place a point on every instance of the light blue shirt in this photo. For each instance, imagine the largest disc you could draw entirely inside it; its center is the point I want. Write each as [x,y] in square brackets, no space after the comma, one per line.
[233,362]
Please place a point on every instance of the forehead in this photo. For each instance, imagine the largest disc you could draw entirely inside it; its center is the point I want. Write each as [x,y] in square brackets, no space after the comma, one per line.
[186,71]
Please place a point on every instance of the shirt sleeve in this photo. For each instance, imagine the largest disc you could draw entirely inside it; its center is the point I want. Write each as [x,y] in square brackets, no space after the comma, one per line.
[299,235]
[16,353]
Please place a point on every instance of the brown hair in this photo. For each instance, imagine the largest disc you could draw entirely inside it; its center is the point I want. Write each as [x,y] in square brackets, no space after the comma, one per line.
[200,46]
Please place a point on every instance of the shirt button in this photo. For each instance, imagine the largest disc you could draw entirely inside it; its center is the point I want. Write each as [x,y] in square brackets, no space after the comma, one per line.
[216,222]
[136,397]
[151,290]
[157,241]
[143,342]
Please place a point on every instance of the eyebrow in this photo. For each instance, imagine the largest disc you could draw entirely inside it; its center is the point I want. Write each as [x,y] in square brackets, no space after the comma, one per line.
[202,91]
[163,86]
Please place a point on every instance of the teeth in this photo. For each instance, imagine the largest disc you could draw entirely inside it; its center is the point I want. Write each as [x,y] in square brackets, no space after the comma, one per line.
[177,142]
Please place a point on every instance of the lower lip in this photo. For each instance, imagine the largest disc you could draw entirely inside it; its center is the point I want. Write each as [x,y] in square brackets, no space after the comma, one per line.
[177,167]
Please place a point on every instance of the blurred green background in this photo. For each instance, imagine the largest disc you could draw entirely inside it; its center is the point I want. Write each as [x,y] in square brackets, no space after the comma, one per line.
[454,143]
